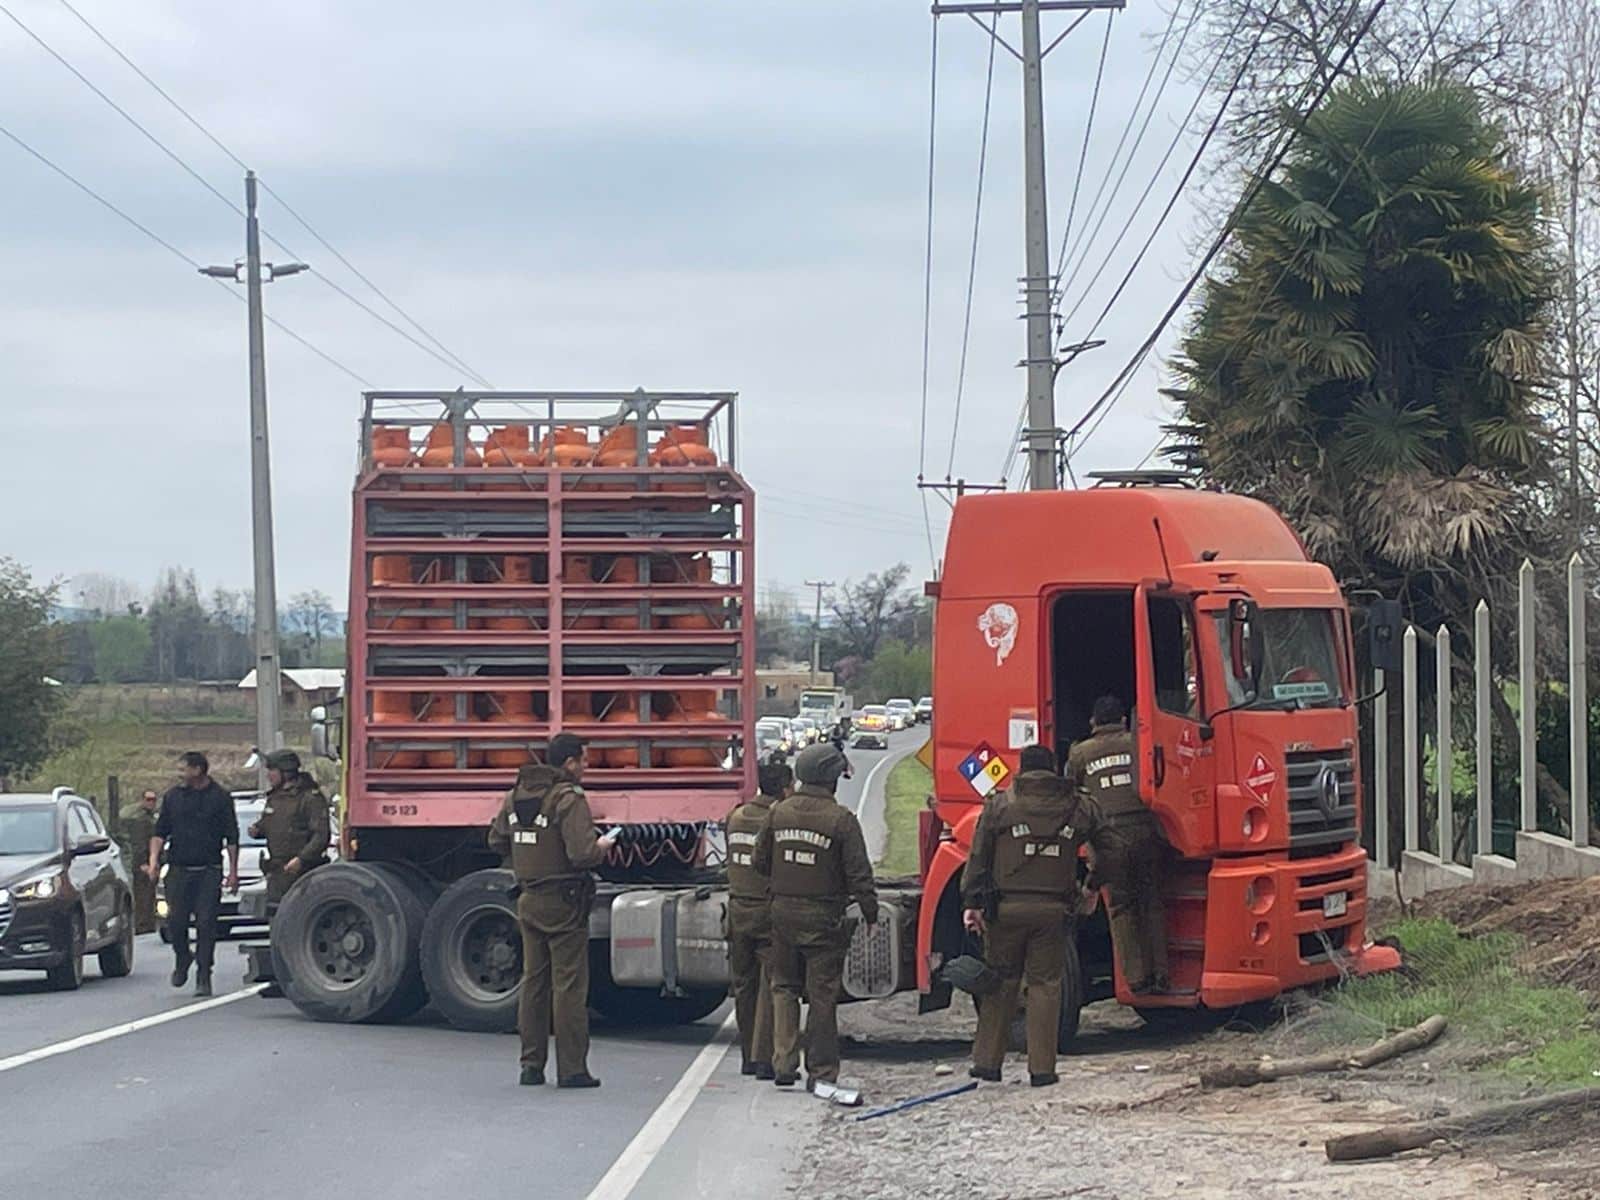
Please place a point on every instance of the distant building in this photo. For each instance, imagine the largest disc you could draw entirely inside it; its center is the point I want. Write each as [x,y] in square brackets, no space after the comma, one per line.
[778,688]
[304,687]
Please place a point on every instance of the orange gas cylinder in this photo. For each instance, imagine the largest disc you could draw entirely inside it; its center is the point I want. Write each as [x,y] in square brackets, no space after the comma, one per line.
[619,447]
[392,708]
[623,570]
[439,450]
[572,455]
[568,446]
[685,707]
[438,709]
[515,569]
[681,568]
[510,708]
[577,708]
[683,446]
[391,446]
[623,710]
[434,572]
[578,569]
[390,570]
[506,446]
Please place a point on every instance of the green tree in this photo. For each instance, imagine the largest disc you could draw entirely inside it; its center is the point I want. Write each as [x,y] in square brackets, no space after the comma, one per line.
[30,651]
[901,670]
[121,649]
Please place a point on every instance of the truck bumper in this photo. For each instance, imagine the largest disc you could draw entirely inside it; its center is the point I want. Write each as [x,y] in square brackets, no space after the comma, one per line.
[1272,926]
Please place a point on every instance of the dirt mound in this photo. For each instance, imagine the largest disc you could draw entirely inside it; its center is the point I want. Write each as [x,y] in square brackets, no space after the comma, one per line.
[1558,921]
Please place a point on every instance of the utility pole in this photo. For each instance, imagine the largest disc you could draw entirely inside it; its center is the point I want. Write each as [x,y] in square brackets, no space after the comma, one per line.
[1038,285]
[269,731]
[816,628]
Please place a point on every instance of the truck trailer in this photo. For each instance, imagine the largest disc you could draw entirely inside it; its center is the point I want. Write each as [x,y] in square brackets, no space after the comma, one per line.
[524,563]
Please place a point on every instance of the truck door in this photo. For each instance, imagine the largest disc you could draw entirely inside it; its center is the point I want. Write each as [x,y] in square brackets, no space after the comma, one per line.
[1177,768]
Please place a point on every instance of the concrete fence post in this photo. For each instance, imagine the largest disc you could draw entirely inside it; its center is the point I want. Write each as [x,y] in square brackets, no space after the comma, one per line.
[1413,799]
[1483,680]
[1444,757]
[1578,694]
[1527,687]
[1380,771]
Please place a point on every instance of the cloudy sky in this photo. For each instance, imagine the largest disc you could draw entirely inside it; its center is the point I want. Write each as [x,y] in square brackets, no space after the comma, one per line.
[709,195]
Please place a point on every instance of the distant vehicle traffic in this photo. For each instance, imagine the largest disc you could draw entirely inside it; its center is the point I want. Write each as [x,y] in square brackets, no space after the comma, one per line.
[829,708]
[807,732]
[64,890]
[872,730]
[774,733]
[903,711]
[925,710]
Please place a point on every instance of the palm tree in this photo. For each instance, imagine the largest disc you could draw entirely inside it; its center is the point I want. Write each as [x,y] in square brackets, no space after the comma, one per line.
[1369,358]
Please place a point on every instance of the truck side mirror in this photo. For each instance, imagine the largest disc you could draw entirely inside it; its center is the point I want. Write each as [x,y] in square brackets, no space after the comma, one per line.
[325,734]
[1385,624]
[1246,643]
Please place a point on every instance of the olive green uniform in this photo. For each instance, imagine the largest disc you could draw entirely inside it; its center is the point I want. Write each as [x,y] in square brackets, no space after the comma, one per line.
[1129,852]
[750,931]
[546,828]
[294,824]
[1023,871]
[135,826]
[815,855]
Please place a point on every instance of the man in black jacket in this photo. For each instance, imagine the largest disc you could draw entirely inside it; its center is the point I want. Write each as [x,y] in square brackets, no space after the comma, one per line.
[197,820]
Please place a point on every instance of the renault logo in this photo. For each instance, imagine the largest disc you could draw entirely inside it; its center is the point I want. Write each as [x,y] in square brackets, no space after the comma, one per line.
[1328,791]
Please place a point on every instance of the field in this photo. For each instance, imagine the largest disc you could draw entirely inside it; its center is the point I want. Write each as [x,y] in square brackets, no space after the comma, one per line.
[135,732]
[905,794]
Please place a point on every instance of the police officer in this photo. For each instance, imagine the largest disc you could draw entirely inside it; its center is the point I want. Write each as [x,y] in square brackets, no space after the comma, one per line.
[749,918]
[815,855]
[547,830]
[1127,845]
[1020,891]
[136,822]
[294,824]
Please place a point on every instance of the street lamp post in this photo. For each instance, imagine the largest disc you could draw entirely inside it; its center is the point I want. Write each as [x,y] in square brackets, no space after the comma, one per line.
[252,272]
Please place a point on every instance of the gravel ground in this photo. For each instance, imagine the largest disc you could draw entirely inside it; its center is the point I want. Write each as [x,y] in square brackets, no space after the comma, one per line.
[1128,1120]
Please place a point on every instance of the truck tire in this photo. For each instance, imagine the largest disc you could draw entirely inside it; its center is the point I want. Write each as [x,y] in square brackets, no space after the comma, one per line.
[1072,992]
[472,953]
[345,944]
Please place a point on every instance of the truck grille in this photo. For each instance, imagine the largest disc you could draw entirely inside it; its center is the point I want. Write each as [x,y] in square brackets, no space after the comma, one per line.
[7,911]
[1322,800]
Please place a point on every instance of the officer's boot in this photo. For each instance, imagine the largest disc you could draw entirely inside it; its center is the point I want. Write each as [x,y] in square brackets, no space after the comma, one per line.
[202,984]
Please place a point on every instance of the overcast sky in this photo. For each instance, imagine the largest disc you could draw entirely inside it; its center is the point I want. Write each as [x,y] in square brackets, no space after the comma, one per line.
[710,195]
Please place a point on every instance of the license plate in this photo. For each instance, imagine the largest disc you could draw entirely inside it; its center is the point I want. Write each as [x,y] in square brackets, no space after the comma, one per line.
[1334,904]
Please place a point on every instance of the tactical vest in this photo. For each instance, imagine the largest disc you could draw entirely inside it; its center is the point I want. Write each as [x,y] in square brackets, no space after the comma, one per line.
[807,859]
[538,850]
[745,823]
[1111,773]
[1034,848]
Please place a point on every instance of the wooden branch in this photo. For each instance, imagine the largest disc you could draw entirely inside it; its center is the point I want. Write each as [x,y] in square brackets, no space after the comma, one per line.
[1250,1074]
[1395,1139]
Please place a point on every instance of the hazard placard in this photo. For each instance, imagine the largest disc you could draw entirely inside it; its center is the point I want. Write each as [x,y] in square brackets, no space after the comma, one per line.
[984,769]
[1260,778]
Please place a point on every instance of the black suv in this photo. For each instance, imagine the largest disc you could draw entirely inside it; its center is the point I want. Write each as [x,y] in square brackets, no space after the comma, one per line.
[64,889]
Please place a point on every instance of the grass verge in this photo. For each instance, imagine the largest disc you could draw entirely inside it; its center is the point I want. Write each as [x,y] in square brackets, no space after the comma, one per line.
[1511,1023]
[905,795]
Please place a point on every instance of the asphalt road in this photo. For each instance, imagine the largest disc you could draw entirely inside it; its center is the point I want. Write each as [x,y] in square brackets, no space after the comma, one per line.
[249,1095]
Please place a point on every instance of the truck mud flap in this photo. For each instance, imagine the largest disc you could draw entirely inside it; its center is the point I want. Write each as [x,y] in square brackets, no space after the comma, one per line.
[258,963]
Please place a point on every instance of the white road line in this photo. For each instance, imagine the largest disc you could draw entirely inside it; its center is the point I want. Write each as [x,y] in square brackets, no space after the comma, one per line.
[889,759]
[618,1183]
[116,1031]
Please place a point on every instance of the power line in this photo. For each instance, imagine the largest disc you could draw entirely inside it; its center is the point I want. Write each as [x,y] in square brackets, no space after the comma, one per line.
[972,259]
[1084,233]
[1083,154]
[1257,183]
[189,170]
[155,237]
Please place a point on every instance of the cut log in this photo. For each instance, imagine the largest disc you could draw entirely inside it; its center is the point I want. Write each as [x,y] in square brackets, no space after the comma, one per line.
[1250,1074]
[1395,1139]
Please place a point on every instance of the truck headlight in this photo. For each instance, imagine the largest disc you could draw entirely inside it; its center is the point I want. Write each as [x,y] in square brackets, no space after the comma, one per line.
[41,887]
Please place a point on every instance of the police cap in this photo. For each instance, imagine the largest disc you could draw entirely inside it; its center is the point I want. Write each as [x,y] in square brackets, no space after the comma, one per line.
[286,761]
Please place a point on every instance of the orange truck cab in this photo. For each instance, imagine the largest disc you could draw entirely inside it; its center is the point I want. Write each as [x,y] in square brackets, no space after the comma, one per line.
[1232,652]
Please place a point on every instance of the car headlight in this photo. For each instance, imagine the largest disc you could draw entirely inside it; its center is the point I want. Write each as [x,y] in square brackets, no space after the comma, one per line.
[41,887]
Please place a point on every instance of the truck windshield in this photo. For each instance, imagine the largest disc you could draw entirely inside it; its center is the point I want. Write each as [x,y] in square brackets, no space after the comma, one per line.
[1302,660]
[816,700]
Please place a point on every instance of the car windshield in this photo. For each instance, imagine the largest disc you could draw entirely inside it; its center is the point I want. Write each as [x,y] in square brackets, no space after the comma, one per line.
[901,704]
[926,700]
[248,815]
[875,710]
[769,726]
[1301,666]
[28,831]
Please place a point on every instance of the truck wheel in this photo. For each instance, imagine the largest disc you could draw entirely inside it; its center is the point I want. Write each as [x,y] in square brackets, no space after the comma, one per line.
[644,1006]
[1072,992]
[472,953]
[345,944]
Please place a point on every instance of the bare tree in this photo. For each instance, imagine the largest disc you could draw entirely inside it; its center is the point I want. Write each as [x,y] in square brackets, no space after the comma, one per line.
[311,615]
[867,611]
[108,595]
